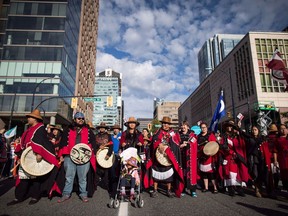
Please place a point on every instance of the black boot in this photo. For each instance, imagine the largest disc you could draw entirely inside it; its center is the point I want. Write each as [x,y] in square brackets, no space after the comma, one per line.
[231,191]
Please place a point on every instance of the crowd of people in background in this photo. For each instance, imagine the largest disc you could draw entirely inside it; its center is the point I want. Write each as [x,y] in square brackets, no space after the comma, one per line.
[175,162]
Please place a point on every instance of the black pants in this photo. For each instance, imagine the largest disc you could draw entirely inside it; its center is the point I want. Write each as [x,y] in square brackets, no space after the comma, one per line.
[28,188]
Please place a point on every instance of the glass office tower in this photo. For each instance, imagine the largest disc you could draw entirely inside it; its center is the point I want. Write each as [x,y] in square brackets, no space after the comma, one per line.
[40,56]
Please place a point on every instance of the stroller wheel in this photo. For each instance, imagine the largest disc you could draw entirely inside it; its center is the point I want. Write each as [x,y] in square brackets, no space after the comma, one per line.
[111,203]
[140,202]
[116,203]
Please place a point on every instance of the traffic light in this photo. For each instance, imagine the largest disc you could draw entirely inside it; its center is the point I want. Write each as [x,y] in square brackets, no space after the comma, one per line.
[109,101]
[74,102]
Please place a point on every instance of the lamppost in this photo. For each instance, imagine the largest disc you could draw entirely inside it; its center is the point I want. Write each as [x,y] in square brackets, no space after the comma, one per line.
[35,89]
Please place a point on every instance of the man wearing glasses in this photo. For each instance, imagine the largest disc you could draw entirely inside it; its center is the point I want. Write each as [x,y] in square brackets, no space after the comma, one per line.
[78,133]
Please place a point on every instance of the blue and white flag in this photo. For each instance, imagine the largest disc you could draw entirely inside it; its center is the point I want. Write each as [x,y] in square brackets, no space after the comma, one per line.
[218,114]
[10,133]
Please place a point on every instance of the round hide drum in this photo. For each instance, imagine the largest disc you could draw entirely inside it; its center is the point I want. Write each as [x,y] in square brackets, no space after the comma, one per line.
[80,153]
[100,157]
[162,158]
[211,148]
[31,166]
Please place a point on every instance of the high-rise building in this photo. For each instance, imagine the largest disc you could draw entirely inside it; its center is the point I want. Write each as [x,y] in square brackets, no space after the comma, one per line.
[48,56]
[213,51]
[108,105]
[246,82]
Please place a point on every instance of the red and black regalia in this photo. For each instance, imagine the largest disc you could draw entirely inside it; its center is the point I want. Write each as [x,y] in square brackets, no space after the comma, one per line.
[36,137]
[206,163]
[159,173]
[132,140]
[281,149]
[191,162]
[234,169]
[68,140]
[102,175]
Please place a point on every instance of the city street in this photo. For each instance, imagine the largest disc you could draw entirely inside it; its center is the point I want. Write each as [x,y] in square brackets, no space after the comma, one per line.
[204,204]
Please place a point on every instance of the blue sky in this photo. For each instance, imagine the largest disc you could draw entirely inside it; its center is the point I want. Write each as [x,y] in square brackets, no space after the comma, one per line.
[154,43]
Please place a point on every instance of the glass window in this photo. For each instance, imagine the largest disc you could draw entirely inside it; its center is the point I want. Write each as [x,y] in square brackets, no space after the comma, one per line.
[62,10]
[25,23]
[54,23]
[34,8]
[20,8]
[13,8]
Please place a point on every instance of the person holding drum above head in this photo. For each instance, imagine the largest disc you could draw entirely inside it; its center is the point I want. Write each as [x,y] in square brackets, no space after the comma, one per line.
[104,148]
[165,162]
[37,156]
[77,151]
[132,137]
[233,169]
[207,158]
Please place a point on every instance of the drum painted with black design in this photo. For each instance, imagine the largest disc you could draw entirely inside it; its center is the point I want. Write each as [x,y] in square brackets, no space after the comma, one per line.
[80,153]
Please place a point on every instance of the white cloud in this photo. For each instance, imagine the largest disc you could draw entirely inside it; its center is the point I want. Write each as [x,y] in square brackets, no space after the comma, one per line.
[163,38]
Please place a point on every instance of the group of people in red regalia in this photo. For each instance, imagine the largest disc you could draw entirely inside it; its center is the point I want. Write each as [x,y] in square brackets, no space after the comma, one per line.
[174,162]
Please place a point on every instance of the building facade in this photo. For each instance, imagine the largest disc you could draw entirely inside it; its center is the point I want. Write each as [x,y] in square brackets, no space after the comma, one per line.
[167,108]
[213,51]
[108,107]
[48,50]
[246,82]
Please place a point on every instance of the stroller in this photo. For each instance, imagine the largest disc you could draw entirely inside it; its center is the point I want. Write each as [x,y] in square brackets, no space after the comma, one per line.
[130,175]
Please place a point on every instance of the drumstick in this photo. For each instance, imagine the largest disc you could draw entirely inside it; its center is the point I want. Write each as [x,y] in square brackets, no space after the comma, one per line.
[14,167]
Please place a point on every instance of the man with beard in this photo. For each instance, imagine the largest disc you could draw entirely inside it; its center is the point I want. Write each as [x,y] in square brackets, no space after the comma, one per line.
[36,137]
[165,141]
[78,133]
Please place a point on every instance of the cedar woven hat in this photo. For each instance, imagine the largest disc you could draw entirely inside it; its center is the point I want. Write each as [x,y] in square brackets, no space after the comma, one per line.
[102,125]
[166,119]
[57,127]
[35,114]
[132,120]
[116,126]
[273,128]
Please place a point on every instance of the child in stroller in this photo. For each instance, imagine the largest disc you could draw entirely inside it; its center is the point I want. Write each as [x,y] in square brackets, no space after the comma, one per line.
[129,177]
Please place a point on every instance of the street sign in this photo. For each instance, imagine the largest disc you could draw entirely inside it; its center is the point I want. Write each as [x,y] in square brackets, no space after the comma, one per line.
[264,105]
[89,99]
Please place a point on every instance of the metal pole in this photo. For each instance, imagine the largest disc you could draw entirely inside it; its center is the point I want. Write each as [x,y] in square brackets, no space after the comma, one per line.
[232,96]
[249,112]
[34,92]
[12,111]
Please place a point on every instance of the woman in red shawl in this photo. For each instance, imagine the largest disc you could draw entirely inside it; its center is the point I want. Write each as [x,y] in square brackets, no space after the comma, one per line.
[281,155]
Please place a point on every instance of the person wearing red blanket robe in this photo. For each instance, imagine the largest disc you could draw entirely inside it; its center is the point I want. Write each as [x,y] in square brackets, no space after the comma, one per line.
[281,155]
[233,169]
[36,137]
[168,143]
[207,163]
[188,148]
[79,132]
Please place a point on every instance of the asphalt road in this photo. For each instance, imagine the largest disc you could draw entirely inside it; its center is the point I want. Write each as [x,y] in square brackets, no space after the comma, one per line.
[204,204]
